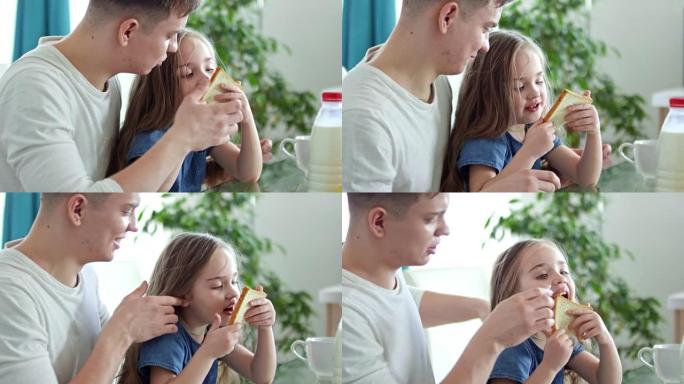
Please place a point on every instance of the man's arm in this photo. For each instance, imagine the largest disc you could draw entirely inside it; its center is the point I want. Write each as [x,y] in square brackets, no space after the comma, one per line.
[512,321]
[438,309]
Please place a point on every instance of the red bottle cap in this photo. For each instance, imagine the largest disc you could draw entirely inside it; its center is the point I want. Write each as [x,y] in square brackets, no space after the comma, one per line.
[331,96]
[677,102]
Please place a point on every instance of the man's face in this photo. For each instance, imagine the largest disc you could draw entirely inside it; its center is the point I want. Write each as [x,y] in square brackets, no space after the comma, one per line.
[149,47]
[413,237]
[105,224]
[468,36]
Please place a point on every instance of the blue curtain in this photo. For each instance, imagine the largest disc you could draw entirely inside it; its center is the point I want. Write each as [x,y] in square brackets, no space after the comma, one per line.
[365,23]
[37,18]
[20,211]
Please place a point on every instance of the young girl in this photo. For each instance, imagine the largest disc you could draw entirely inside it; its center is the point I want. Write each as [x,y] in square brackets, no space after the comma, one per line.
[203,270]
[543,357]
[154,100]
[498,128]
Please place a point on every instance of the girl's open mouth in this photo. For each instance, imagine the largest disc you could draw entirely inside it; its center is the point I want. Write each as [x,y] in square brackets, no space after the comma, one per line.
[533,107]
[227,311]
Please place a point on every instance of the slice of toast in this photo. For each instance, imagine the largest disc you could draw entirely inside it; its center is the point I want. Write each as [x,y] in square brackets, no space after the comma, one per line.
[242,305]
[557,112]
[561,319]
[218,77]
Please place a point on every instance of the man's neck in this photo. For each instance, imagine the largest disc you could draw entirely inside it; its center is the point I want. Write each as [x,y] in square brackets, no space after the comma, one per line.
[406,58]
[363,260]
[87,52]
[47,248]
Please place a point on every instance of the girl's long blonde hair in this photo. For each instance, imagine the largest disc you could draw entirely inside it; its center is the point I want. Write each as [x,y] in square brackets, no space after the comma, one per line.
[155,97]
[174,274]
[504,282]
[485,102]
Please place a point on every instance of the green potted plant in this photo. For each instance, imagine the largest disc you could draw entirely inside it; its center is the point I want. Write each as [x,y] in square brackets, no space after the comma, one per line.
[573,220]
[228,217]
[559,27]
[245,51]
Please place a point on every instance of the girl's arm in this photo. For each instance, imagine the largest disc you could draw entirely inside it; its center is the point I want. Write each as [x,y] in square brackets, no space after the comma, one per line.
[245,162]
[538,141]
[609,369]
[585,170]
[217,342]
[260,366]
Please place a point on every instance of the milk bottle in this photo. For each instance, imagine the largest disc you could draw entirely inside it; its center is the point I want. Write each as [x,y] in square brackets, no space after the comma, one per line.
[325,164]
[670,171]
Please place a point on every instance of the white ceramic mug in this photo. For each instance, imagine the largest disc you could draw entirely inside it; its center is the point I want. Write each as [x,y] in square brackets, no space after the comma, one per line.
[664,359]
[301,153]
[319,353]
[644,156]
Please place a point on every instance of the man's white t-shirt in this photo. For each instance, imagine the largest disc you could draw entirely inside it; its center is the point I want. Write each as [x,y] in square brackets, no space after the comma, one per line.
[383,340]
[47,329]
[391,140]
[56,128]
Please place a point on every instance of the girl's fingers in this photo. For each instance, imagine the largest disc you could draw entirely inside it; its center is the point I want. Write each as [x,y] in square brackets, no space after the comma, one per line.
[230,88]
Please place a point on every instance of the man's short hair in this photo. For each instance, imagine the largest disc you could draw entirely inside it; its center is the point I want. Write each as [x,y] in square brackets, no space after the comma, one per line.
[415,7]
[396,204]
[49,200]
[150,12]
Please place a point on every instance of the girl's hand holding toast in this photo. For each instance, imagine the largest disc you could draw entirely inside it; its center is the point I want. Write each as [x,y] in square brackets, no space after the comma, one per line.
[261,313]
[583,118]
[220,341]
[557,351]
[588,324]
[539,139]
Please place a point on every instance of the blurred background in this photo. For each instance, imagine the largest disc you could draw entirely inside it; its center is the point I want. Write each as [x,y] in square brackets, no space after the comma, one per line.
[624,252]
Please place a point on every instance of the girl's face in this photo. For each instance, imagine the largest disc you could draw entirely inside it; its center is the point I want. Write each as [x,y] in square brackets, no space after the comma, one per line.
[215,290]
[196,62]
[529,88]
[544,266]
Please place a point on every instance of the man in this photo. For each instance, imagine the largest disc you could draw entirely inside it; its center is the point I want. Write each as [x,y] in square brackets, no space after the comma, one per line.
[398,106]
[53,327]
[61,103]
[383,319]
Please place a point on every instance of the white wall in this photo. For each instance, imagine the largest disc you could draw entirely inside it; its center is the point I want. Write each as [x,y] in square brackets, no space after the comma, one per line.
[650,227]
[650,37]
[308,226]
[313,31]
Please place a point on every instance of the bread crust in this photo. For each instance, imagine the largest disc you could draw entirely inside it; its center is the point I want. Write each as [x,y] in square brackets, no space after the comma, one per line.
[246,292]
[559,100]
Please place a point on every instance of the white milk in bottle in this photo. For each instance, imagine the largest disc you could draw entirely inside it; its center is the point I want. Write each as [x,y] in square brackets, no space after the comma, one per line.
[670,171]
[325,164]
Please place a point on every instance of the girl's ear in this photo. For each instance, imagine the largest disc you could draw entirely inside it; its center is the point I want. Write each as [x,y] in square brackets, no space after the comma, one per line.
[447,16]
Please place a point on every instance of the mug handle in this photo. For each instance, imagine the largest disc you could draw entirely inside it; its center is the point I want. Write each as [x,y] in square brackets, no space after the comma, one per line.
[293,348]
[646,351]
[621,150]
[285,151]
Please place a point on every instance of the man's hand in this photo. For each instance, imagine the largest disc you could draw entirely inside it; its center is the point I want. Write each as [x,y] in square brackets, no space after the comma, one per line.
[200,126]
[526,180]
[142,318]
[520,316]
